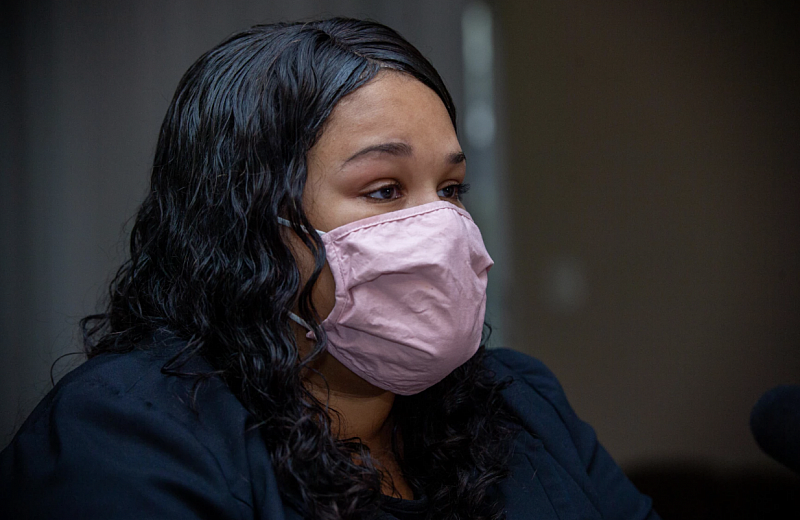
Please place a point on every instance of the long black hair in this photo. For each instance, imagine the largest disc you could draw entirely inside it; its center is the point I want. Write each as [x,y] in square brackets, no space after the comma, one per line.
[208,264]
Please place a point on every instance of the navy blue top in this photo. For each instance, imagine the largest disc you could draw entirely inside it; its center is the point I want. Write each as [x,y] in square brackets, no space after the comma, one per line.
[117,439]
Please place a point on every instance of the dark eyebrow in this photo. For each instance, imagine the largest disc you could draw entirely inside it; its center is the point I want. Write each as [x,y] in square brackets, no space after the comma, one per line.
[456,158]
[396,149]
[401,150]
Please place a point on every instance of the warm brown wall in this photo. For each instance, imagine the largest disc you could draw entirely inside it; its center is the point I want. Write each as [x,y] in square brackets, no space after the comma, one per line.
[654,161]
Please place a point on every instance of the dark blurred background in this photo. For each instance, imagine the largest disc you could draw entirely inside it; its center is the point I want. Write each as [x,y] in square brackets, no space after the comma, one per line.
[638,182]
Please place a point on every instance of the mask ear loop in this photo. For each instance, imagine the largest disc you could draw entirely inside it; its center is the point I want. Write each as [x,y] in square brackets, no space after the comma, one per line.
[300,321]
[288,224]
[292,316]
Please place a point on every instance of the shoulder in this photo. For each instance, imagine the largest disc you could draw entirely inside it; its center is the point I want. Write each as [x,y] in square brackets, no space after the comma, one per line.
[536,397]
[530,378]
[138,381]
[120,433]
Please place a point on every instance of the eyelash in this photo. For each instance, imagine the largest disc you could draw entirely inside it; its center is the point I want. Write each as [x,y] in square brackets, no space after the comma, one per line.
[460,191]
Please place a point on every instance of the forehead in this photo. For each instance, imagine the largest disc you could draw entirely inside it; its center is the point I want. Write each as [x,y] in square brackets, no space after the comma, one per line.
[392,106]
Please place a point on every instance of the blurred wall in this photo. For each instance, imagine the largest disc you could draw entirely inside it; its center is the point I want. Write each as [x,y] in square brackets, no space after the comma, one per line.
[654,191]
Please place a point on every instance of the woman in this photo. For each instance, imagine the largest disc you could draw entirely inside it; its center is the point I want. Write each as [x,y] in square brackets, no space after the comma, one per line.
[297,332]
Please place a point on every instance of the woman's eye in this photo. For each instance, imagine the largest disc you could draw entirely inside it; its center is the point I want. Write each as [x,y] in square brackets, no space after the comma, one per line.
[454,191]
[389,192]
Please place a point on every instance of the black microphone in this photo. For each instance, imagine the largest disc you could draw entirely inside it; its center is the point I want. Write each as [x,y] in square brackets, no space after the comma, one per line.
[775,423]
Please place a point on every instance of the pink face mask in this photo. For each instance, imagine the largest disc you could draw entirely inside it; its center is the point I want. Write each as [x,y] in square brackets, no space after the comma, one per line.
[410,295]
